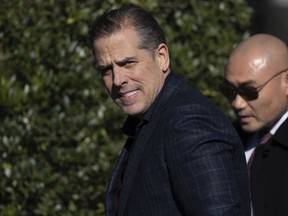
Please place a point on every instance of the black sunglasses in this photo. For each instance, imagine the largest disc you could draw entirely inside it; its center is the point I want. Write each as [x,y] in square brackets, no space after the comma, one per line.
[245,91]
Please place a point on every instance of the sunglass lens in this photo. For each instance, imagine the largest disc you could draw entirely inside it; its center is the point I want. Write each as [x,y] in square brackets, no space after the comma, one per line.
[249,93]
[228,91]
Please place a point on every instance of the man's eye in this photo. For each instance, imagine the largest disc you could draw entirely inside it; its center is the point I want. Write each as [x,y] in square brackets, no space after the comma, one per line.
[105,70]
[127,63]
[130,63]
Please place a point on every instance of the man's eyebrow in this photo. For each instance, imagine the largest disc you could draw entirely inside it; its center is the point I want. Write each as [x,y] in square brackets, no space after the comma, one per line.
[102,69]
[104,66]
[118,62]
[246,83]
[125,60]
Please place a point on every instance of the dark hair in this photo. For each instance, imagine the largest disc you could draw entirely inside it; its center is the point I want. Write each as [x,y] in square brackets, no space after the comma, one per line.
[149,32]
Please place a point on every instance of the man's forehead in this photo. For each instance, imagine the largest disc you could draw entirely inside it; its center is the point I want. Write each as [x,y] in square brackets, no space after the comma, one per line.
[240,75]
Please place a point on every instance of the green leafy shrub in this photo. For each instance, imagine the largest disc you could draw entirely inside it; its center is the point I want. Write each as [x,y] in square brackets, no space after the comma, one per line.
[59,131]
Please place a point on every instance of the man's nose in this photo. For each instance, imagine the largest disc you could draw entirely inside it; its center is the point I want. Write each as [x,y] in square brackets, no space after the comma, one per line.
[238,103]
[119,76]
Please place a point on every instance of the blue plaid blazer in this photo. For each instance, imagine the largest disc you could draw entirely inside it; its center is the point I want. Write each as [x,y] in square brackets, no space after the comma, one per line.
[186,160]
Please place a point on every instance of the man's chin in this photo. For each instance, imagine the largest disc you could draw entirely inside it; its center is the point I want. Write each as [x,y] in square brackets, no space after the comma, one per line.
[132,112]
[249,128]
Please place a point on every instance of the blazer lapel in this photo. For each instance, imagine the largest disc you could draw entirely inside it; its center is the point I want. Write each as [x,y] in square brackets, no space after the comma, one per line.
[134,160]
[114,183]
[281,134]
[172,85]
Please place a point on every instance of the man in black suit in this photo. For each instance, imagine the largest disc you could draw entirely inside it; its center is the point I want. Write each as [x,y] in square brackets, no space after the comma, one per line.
[256,84]
[182,156]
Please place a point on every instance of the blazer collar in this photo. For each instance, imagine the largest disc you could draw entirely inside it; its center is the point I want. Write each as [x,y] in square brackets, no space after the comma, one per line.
[114,182]
[149,123]
[281,134]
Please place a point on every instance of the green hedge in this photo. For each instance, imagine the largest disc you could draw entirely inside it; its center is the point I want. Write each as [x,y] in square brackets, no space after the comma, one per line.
[59,132]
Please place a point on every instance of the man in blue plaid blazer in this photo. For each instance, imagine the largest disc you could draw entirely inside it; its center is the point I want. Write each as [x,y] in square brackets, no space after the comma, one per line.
[182,156]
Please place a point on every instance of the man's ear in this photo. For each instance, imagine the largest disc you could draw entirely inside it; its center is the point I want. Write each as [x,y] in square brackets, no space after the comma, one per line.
[163,57]
[286,81]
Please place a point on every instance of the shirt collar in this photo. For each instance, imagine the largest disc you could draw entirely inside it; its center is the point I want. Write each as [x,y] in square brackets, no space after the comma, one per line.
[278,123]
[130,126]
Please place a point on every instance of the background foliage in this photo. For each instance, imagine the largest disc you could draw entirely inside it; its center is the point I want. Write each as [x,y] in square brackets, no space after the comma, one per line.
[59,132]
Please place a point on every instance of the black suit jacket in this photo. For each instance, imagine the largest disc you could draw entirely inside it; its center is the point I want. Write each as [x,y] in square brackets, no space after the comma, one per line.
[269,175]
[186,160]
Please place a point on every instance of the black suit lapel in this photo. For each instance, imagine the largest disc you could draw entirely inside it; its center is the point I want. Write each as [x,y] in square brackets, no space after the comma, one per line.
[134,160]
[171,86]
[281,134]
[115,181]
